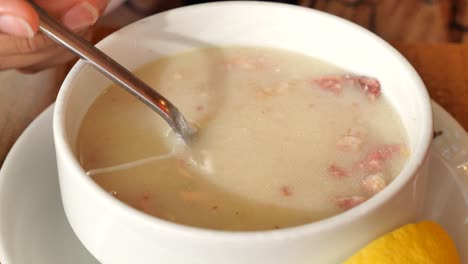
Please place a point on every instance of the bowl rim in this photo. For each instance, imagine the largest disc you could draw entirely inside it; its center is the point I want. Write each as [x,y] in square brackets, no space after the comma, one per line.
[139,218]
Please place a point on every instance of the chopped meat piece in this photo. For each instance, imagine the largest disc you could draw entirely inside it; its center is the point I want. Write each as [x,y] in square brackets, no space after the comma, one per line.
[372,165]
[330,84]
[349,143]
[348,202]
[352,140]
[374,183]
[286,190]
[337,171]
[369,86]
[373,161]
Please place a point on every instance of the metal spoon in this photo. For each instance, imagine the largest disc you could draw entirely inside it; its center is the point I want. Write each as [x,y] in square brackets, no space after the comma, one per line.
[116,72]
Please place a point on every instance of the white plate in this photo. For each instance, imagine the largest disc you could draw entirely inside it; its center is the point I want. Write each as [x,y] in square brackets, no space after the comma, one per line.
[34,229]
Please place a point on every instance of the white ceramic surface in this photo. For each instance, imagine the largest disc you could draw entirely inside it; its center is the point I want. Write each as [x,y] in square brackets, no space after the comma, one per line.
[33,226]
[13,79]
[113,4]
[34,229]
[116,233]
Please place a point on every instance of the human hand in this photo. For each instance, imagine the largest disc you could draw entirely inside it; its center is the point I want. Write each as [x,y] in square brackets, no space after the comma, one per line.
[20,45]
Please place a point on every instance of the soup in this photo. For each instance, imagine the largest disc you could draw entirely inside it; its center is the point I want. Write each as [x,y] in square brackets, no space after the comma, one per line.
[283,140]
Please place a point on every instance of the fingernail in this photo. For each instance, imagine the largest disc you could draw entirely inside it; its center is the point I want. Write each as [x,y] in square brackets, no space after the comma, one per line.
[81,16]
[16,26]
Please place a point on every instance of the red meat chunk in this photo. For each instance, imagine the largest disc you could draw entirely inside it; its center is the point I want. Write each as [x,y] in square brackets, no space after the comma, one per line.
[337,171]
[334,84]
[374,160]
[348,202]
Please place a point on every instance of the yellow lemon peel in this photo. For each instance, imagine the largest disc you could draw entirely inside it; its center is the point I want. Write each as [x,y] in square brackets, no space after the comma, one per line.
[421,243]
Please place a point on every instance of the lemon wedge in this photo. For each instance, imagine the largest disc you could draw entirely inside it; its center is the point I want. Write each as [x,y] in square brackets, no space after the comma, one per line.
[422,243]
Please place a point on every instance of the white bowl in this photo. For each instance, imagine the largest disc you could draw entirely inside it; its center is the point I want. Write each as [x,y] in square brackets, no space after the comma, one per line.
[116,233]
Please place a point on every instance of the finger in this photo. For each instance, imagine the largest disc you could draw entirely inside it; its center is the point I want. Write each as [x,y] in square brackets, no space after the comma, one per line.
[19,60]
[60,58]
[75,14]
[13,45]
[60,7]
[16,46]
[18,18]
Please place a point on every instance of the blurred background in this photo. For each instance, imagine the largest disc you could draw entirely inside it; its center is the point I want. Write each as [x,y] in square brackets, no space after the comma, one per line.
[397,21]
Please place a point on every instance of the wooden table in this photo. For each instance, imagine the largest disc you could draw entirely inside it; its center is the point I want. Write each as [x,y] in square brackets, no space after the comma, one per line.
[443,67]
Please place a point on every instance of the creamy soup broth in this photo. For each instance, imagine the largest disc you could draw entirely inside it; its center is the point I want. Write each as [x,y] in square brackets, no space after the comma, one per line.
[284,139]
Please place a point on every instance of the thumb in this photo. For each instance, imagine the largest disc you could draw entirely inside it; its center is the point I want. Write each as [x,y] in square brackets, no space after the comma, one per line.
[18,18]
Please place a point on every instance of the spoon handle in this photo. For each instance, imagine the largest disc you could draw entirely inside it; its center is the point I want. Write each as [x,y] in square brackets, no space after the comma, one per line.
[115,72]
